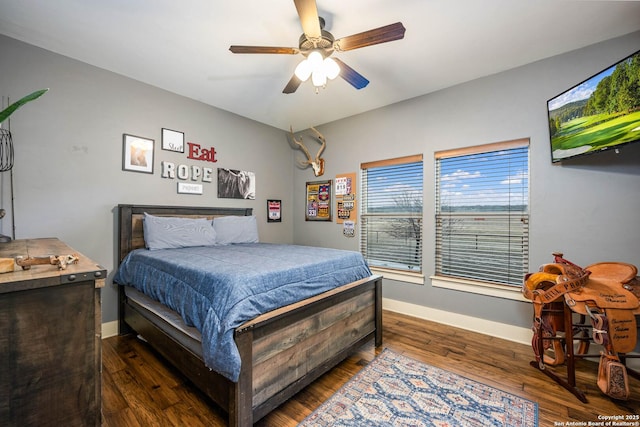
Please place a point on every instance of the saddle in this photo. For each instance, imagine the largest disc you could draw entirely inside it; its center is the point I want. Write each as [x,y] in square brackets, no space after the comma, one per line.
[607,293]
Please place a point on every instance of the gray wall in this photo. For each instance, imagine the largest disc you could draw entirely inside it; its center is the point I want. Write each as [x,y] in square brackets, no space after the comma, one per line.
[587,208]
[68,174]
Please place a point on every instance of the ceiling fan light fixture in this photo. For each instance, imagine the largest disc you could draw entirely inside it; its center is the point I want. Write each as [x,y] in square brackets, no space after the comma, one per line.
[315,59]
[331,68]
[303,70]
[318,77]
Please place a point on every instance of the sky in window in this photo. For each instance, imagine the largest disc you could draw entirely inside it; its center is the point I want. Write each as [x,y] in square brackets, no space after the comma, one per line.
[388,185]
[497,178]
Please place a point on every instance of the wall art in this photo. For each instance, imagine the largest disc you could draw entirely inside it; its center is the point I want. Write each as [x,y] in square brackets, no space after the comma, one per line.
[172,140]
[318,201]
[236,184]
[346,204]
[274,211]
[137,153]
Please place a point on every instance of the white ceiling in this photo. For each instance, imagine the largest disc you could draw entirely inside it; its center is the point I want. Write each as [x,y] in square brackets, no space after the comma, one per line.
[182,46]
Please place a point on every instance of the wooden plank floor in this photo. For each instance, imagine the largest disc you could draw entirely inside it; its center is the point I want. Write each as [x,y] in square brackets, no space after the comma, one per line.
[140,389]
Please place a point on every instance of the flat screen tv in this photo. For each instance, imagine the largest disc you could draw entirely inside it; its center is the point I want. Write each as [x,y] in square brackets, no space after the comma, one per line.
[601,113]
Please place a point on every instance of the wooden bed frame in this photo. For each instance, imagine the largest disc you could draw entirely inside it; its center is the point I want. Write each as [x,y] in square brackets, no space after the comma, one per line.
[281,351]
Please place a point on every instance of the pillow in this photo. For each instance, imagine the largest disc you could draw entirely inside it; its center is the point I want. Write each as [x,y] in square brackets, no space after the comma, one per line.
[235,229]
[172,232]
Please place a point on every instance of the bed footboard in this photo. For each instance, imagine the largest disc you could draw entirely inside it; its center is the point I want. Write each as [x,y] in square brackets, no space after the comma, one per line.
[282,351]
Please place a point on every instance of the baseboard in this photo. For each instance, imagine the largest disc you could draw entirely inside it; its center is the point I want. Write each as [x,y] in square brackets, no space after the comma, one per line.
[110,329]
[483,326]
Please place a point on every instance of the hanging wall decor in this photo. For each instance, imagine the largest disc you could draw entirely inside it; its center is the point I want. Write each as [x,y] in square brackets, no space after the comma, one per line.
[346,206]
[236,184]
[172,140]
[318,201]
[137,153]
[274,211]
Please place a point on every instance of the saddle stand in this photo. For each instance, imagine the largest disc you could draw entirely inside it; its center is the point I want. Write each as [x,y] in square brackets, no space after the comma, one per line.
[564,296]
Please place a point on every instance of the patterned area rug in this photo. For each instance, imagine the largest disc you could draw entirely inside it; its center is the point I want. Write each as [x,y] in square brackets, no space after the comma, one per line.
[394,390]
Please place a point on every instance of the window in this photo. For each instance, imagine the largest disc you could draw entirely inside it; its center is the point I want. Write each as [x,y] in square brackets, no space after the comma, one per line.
[391,215]
[482,219]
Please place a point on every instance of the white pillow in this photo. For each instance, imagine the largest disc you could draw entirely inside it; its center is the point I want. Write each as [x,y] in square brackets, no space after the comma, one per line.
[173,232]
[235,229]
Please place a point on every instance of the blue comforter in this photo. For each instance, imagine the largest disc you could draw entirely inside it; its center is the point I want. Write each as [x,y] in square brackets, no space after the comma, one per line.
[216,289]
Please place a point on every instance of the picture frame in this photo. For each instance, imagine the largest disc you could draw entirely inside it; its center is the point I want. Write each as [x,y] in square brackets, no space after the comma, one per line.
[137,153]
[189,188]
[172,140]
[318,201]
[236,184]
[274,210]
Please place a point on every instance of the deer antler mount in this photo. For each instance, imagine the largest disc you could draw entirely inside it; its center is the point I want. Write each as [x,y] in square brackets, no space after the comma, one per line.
[316,163]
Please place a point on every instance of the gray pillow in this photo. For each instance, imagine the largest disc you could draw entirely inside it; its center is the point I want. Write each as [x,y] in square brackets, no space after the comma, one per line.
[236,229]
[173,232]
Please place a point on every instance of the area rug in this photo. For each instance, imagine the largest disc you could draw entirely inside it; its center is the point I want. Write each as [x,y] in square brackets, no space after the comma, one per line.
[395,390]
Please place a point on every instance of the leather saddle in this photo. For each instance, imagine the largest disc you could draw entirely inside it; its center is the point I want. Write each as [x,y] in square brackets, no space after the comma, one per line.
[607,293]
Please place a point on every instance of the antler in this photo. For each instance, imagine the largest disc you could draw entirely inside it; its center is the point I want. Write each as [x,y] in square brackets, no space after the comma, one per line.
[317,164]
[303,148]
[324,143]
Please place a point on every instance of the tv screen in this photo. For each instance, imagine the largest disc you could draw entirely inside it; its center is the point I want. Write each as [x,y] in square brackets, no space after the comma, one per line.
[601,113]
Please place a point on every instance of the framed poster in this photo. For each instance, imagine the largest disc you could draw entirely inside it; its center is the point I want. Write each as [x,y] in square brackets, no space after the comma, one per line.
[274,211]
[318,201]
[346,203]
[236,184]
[172,140]
[137,153]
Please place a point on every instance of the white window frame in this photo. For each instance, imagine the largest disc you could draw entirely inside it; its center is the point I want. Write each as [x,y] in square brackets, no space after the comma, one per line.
[389,272]
[470,284]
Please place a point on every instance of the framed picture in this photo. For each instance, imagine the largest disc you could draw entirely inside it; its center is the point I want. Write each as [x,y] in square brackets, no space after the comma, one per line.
[318,201]
[345,192]
[172,140]
[189,188]
[274,211]
[137,153]
[236,184]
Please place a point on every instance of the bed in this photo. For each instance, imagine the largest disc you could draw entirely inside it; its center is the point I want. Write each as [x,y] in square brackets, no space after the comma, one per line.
[280,351]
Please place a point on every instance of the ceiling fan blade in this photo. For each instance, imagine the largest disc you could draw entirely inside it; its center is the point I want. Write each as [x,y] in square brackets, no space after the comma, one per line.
[293,85]
[308,13]
[354,78]
[376,36]
[264,49]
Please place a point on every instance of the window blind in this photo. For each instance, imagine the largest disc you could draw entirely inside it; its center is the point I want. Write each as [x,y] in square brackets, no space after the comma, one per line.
[482,213]
[391,213]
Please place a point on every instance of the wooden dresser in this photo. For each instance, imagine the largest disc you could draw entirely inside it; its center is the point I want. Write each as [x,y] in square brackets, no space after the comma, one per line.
[50,332]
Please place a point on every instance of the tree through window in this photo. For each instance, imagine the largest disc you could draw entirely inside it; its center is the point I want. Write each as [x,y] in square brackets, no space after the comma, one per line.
[391,218]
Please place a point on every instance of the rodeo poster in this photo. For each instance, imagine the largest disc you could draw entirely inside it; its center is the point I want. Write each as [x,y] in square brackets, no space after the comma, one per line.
[318,201]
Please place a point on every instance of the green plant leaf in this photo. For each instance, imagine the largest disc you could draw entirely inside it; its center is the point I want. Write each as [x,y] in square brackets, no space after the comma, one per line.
[19,103]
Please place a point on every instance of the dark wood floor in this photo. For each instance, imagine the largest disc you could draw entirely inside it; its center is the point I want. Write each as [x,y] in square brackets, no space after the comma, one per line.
[140,389]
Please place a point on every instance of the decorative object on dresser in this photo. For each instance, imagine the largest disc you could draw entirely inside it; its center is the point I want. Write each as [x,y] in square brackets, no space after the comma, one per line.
[50,338]
[264,358]
[60,260]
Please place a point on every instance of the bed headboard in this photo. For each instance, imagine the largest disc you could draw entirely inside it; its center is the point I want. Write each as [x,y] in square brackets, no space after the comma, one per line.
[130,231]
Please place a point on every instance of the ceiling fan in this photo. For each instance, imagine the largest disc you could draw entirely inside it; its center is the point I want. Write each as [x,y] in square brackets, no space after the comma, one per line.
[317,45]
